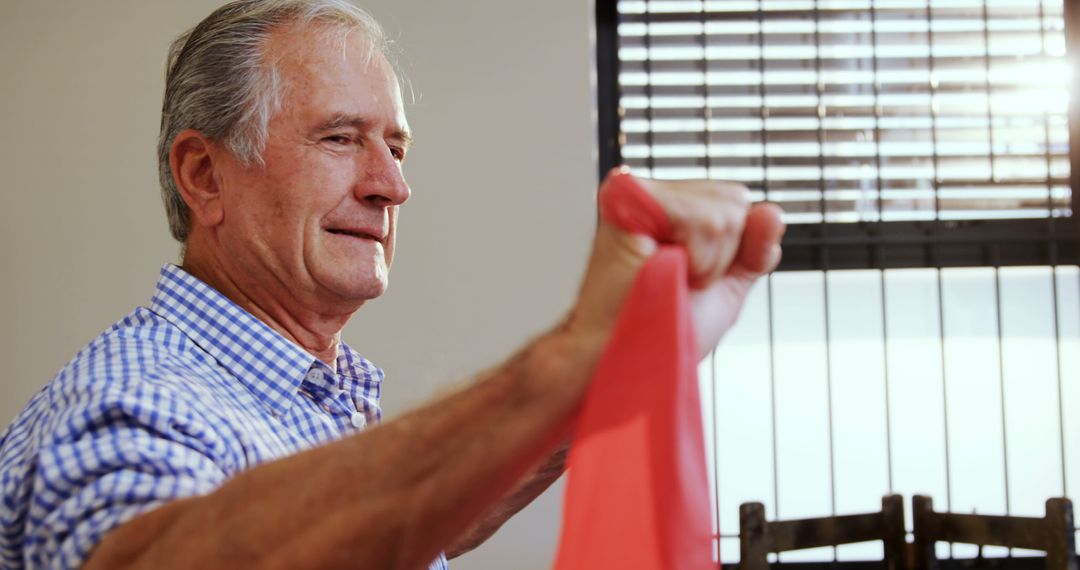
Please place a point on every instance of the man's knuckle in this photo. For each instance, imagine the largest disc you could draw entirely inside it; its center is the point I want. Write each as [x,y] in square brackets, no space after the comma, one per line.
[727,223]
[711,224]
[740,195]
[728,192]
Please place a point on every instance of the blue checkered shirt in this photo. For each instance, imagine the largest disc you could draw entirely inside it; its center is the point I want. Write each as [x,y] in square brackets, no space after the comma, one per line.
[168,403]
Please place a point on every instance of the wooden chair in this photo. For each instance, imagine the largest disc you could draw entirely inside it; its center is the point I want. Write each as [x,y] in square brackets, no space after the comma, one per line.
[758,538]
[1053,534]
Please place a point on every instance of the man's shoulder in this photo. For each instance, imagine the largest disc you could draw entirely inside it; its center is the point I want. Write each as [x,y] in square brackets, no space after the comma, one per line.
[141,373]
[143,357]
[133,408]
[142,348]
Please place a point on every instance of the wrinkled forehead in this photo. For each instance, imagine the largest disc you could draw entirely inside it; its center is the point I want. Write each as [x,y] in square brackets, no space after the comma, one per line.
[315,40]
[317,51]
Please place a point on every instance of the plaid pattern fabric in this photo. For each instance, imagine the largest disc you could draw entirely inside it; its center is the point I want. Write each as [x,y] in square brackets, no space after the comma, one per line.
[168,403]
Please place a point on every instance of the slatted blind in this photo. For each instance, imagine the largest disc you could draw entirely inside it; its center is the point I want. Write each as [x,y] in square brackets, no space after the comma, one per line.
[916,121]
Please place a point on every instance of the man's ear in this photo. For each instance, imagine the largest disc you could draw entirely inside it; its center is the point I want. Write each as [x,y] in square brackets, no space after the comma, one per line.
[192,159]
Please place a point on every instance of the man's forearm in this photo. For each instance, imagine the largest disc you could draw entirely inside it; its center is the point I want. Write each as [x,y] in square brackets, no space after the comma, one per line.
[392,497]
[536,483]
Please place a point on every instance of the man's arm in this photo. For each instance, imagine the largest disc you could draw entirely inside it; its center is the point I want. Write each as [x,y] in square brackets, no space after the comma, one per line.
[534,485]
[419,482]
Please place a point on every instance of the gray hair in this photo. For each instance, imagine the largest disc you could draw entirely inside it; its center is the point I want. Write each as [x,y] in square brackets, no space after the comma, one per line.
[217,82]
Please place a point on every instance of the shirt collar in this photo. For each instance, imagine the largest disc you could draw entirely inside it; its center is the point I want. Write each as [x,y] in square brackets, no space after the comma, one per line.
[362,380]
[266,363]
[355,368]
[353,372]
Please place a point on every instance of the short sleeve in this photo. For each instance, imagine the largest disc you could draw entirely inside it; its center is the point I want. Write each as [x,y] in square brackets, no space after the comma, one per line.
[110,458]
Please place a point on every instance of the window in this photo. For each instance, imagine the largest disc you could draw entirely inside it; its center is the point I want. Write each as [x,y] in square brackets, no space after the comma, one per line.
[922,334]
[895,133]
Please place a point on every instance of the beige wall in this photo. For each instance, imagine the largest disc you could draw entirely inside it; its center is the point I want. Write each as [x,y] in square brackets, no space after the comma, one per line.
[492,241]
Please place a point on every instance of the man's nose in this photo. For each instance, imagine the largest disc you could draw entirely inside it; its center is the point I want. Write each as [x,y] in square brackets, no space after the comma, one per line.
[381,180]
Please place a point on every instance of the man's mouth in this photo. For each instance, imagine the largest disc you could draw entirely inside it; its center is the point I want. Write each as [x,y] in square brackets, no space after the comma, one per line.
[359,234]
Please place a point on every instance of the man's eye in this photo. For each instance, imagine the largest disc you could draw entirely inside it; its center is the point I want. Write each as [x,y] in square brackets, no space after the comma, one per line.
[398,153]
[338,139]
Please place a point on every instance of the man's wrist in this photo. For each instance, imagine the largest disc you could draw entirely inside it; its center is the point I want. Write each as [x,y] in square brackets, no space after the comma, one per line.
[560,363]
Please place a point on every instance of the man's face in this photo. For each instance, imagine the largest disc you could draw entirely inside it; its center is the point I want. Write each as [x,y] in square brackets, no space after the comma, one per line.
[319,218]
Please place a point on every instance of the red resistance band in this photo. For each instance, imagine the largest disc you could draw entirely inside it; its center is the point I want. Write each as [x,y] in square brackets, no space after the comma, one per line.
[638,491]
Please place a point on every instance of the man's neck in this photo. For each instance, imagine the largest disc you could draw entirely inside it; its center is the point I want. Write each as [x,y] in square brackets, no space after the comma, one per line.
[318,334]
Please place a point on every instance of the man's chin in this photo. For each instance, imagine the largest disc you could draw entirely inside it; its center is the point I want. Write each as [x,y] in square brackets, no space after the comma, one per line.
[350,282]
[356,291]
[350,286]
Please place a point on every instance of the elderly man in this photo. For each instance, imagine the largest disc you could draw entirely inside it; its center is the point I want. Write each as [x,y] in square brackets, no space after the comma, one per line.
[227,424]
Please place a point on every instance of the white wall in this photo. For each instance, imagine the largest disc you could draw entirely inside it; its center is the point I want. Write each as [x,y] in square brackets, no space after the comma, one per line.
[492,241]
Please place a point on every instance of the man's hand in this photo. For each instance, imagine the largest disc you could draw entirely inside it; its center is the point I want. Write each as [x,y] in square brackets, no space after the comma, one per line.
[729,244]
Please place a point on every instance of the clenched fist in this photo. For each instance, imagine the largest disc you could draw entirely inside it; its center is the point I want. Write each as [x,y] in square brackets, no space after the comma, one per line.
[729,244]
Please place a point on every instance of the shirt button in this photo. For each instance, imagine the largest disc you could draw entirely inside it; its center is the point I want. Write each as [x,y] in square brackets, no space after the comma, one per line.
[359,420]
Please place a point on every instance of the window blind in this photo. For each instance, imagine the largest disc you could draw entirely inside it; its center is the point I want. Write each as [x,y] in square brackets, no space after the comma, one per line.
[893,132]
